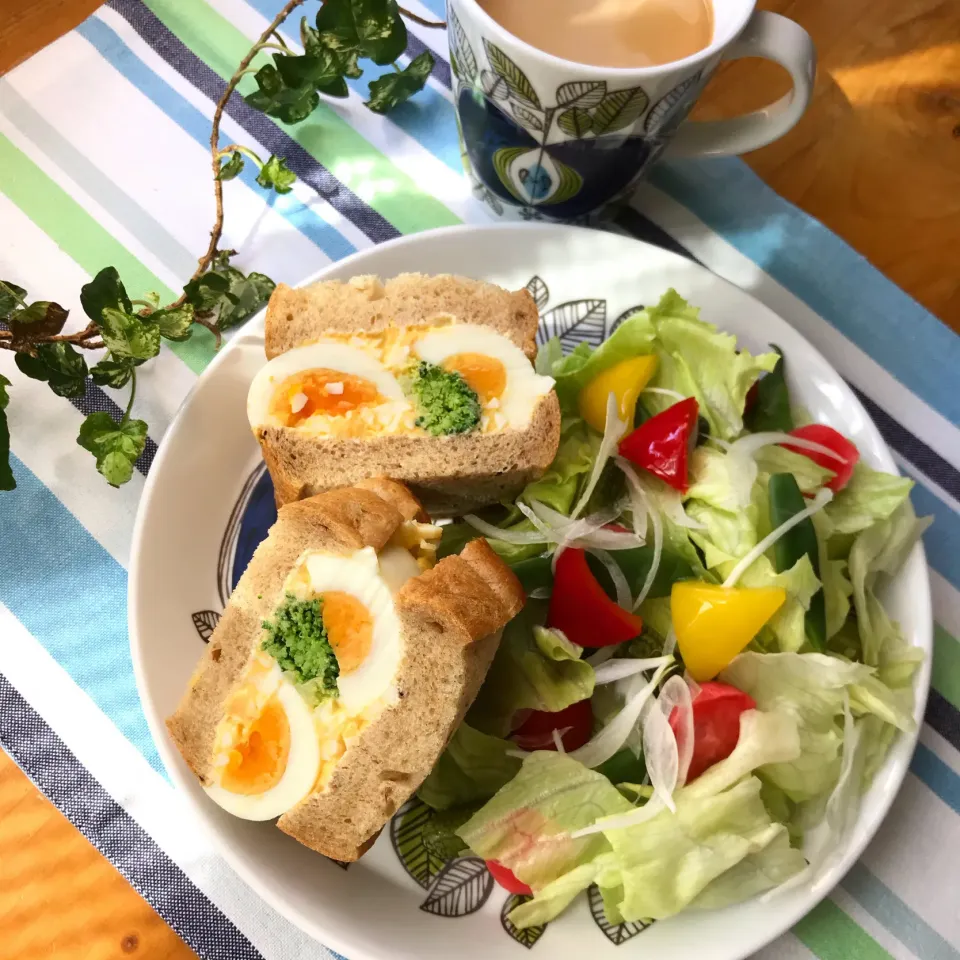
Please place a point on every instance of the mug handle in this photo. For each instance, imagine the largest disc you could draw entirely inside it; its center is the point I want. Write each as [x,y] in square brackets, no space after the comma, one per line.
[772,37]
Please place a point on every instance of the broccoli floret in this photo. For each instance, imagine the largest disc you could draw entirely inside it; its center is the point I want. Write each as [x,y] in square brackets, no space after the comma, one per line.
[446,402]
[297,640]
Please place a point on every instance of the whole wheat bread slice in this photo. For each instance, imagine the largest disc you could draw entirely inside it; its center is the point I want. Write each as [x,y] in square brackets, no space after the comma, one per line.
[450,620]
[451,475]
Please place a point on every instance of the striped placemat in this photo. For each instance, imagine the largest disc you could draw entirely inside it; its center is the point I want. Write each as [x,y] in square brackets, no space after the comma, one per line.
[103,160]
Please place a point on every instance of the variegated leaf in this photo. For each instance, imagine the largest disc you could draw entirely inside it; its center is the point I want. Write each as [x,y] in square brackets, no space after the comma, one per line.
[462,887]
[205,622]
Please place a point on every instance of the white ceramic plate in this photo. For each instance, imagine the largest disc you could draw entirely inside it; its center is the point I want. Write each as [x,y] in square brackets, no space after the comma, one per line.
[207,502]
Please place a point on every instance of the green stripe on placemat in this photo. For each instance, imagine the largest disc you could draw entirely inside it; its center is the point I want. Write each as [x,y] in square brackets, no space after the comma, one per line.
[832,935]
[327,137]
[946,665]
[85,241]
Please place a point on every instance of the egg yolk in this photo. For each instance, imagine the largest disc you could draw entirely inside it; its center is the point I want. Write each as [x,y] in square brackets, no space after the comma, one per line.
[257,764]
[330,392]
[486,375]
[349,629]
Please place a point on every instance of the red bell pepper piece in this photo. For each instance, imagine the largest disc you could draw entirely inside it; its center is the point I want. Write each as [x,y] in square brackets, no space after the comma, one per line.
[716,724]
[507,878]
[574,724]
[828,437]
[661,444]
[580,607]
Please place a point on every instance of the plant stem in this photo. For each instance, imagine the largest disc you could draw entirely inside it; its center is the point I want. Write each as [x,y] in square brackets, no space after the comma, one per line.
[274,46]
[217,232]
[434,24]
[396,67]
[280,40]
[212,327]
[133,393]
[239,148]
[13,293]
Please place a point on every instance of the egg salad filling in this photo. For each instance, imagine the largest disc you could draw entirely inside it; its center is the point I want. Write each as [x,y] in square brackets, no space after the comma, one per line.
[325,669]
[442,379]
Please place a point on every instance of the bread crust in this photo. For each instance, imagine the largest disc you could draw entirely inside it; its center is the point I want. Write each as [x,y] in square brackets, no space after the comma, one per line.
[301,315]
[451,617]
[449,475]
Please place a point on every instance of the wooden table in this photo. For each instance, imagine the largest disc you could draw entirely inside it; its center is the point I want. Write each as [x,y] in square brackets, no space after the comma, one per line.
[876,158]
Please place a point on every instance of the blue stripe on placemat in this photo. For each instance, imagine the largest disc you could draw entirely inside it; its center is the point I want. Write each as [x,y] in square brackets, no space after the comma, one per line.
[253,122]
[821,269]
[71,595]
[942,539]
[940,778]
[56,771]
[895,916]
[194,123]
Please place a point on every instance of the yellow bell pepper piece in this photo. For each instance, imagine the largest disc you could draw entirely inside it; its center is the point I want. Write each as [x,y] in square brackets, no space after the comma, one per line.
[713,624]
[625,381]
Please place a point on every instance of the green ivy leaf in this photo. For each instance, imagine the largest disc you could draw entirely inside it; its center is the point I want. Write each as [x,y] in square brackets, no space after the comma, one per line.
[10,297]
[127,335]
[57,364]
[322,71]
[276,99]
[232,167]
[6,473]
[229,293]
[276,174]
[364,28]
[41,319]
[174,323]
[104,290]
[112,373]
[394,88]
[116,446]
[314,46]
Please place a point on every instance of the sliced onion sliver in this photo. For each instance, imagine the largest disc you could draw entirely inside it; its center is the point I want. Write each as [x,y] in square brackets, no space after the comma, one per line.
[660,753]
[752,442]
[620,821]
[507,536]
[614,670]
[601,656]
[664,392]
[639,494]
[620,585]
[558,740]
[613,429]
[819,502]
[676,695]
[539,593]
[603,745]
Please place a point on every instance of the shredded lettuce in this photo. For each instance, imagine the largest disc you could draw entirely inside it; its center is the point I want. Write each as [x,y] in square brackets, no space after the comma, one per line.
[870,496]
[534,669]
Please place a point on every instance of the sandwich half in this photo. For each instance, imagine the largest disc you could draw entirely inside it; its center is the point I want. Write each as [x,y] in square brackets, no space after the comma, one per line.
[343,663]
[428,380]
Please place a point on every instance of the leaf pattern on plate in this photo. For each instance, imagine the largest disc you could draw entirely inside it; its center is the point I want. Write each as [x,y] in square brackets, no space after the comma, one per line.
[527,937]
[461,49]
[616,933]
[515,78]
[539,291]
[581,93]
[205,622]
[619,110]
[575,322]
[461,887]
[421,859]
[626,315]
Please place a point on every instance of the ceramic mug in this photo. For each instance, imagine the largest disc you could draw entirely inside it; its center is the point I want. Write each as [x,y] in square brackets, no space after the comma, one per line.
[547,139]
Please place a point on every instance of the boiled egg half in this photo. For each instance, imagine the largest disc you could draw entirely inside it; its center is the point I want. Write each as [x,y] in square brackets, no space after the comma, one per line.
[497,370]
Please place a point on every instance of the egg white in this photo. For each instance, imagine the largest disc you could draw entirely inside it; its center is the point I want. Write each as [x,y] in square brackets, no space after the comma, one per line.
[303,760]
[359,575]
[331,356]
[523,388]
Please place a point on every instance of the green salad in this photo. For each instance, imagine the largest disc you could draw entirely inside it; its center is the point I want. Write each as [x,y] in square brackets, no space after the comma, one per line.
[703,680]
